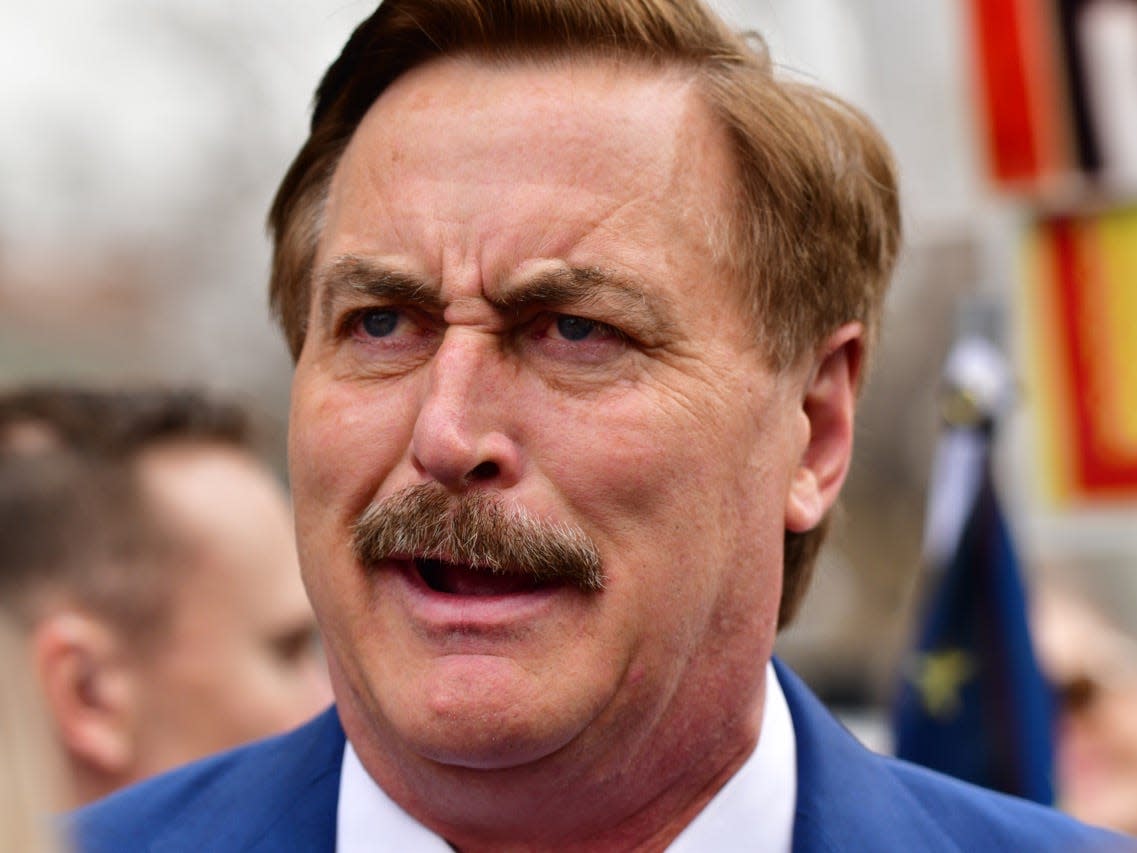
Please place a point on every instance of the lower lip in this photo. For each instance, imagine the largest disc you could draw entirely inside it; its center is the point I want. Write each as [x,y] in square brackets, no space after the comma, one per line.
[470,613]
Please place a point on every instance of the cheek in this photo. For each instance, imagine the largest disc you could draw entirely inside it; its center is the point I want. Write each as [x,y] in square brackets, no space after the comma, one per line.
[673,494]
[344,438]
[1124,723]
[691,535]
[342,446]
[663,466]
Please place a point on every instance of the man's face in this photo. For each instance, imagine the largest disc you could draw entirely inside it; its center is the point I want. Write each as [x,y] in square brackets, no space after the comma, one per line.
[1094,666]
[516,293]
[238,659]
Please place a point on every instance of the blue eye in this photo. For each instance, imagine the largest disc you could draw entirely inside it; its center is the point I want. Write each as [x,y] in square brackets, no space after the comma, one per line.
[379,323]
[574,328]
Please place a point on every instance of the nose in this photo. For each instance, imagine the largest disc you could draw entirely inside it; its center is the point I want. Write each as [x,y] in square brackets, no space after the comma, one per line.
[461,436]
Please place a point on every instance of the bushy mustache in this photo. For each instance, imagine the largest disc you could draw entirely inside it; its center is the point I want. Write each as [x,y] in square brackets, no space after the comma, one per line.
[479,529]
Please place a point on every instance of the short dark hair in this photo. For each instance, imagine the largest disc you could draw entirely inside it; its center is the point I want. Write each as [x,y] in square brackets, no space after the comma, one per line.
[73,516]
[816,226]
[121,422]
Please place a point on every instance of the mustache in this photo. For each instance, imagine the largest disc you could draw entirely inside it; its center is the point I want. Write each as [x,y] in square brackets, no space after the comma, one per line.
[479,529]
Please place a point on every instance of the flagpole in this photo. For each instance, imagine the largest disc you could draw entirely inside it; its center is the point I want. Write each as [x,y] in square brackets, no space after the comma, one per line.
[971,699]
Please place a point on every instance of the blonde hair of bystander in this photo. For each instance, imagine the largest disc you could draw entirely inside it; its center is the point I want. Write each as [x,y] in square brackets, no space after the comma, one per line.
[31,771]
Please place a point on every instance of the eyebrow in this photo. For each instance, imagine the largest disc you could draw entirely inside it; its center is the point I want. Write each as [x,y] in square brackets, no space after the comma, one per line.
[563,287]
[355,276]
[567,287]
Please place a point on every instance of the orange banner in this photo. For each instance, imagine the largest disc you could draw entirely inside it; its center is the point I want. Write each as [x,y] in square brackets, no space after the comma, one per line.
[1081,291]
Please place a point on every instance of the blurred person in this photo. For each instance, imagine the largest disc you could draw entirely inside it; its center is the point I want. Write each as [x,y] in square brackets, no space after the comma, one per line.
[31,771]
[580,293]
[148,553]
[1085,626]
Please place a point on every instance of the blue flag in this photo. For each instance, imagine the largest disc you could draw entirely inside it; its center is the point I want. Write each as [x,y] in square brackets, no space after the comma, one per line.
[973,702]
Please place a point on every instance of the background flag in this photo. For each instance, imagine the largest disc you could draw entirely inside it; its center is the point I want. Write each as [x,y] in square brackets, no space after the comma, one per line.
[1079,302]
[972,701]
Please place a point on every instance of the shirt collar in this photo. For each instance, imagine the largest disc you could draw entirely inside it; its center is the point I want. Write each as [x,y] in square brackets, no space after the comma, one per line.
[754,810]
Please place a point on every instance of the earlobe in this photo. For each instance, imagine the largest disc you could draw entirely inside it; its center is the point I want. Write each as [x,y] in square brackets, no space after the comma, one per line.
[828,403]
[79,661]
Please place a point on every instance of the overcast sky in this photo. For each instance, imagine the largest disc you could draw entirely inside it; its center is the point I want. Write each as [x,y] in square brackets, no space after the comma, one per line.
[116,109]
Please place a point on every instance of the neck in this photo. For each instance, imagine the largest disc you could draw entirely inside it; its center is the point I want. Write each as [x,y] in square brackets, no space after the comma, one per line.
[578,798]
[87,784]
[647,830]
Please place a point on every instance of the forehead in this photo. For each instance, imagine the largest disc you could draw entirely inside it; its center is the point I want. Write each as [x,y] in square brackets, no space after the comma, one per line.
[233,518]
[619,107]
[536,157]
[214,491]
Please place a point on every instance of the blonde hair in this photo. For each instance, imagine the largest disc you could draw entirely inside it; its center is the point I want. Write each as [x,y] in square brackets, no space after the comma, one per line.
[31,770]
[816,228]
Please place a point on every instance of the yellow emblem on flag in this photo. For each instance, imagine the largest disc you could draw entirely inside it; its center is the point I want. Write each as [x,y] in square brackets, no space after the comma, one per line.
[939,677]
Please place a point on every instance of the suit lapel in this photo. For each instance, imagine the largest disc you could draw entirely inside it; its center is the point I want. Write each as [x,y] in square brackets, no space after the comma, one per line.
[846,797]
[283,799]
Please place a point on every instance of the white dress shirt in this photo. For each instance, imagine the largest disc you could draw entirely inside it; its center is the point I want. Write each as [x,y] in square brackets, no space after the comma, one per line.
[754,810]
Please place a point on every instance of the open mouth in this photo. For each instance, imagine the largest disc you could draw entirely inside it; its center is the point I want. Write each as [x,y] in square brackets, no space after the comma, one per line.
[464,579]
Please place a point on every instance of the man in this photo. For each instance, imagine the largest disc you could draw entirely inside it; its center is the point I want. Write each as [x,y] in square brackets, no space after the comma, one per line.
[148,555]
[580,298]
[1086,631]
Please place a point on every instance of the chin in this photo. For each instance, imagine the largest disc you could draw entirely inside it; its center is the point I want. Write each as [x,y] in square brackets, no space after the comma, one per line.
[487,713]
[487,744]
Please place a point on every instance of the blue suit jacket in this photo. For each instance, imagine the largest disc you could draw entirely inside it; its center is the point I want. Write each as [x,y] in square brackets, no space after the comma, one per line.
[281,794]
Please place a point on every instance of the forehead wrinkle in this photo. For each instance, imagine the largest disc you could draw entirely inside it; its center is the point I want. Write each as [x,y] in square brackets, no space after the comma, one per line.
[582,286]
[351,274]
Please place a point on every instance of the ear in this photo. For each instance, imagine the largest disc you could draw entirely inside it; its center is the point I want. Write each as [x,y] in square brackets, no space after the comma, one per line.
[88,687]
[828,402]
